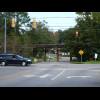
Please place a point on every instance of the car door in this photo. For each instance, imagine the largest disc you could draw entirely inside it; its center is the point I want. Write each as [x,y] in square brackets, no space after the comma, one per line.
[16,60]
[9,59]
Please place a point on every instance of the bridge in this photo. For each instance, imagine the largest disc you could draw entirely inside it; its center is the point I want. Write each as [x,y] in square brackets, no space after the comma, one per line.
[45,46]
[49,46]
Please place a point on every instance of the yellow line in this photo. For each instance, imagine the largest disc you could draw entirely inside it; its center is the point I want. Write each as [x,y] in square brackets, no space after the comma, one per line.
[11,76]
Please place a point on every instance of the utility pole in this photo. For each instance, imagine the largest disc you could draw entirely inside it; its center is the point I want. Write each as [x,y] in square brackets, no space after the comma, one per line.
[5,38]
[5,32]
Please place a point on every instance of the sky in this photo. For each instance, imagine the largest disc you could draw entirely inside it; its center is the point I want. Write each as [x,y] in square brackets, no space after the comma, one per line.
[55,20]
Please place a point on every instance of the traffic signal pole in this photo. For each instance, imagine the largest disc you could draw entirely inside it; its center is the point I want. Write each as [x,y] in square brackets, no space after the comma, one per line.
[5,38]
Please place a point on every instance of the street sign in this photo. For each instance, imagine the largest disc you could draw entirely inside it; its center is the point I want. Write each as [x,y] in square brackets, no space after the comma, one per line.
[81,52]
[95,56]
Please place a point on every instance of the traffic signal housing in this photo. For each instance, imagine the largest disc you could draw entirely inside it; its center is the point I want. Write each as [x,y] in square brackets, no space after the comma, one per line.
[53,34]
[13,22]
[76,33]
[34,24]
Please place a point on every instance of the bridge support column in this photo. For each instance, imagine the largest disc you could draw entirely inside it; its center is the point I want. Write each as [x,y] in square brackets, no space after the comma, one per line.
[57,55]
[44,54]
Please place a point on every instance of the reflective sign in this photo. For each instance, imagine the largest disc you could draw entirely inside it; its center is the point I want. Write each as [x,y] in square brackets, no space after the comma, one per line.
[81,52]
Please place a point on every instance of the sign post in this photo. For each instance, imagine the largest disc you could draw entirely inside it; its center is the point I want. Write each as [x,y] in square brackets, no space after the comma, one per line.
[81,53]
[81,58]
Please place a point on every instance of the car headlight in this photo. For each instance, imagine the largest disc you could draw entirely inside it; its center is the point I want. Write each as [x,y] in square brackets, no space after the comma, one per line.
[29,60]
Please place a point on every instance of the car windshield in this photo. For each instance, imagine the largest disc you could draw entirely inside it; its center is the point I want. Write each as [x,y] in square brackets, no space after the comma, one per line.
[18,56]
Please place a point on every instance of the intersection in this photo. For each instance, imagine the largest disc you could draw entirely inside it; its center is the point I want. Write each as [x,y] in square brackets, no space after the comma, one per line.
[51,75]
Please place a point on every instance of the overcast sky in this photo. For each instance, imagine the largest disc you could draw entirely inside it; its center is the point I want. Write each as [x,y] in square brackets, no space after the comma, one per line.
[56,20]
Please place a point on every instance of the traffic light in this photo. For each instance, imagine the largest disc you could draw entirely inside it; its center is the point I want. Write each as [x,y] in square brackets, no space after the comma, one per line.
[76,33]
[13,22]
[34,24]
[53,34]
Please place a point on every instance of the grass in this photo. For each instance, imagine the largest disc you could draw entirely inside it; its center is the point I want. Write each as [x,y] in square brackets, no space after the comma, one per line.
[91,62]
[75,61]
[56,58]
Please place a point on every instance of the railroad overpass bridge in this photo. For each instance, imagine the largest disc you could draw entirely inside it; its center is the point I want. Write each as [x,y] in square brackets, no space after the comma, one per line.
[48,45]
[45,46]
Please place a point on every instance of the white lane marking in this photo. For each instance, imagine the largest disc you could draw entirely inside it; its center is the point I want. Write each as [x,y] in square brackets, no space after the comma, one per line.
[43,76]
[78,76]
[60,69]
[58,75]
[29,75]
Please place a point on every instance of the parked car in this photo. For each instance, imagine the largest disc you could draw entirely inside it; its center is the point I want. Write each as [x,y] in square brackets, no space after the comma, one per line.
[60,54]
[7,58]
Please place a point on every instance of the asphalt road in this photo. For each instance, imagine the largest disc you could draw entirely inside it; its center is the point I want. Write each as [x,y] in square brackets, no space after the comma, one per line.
[51,74]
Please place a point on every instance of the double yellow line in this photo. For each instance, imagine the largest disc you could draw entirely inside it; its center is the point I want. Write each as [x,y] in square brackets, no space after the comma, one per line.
[11,76]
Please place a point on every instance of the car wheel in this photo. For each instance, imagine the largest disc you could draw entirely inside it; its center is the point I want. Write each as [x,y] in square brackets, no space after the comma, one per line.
[24,63]
[3,63]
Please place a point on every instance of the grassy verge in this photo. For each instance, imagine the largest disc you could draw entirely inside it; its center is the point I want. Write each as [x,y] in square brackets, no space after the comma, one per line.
[56,58]
[75,61]
[91,62]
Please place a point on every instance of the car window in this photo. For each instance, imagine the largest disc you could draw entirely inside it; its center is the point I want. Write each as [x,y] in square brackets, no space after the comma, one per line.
[14,56]
[18,56]
[2,56]
[9,57]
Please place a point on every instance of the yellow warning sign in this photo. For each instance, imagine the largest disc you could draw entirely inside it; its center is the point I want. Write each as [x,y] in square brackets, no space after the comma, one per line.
[81,52]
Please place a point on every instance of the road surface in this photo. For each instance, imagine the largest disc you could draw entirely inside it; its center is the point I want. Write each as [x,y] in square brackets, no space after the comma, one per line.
[51,74]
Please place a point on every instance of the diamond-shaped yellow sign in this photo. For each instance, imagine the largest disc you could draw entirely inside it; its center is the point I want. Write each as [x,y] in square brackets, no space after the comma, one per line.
[81,52]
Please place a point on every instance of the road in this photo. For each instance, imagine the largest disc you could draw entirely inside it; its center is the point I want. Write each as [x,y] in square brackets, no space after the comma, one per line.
[51,74]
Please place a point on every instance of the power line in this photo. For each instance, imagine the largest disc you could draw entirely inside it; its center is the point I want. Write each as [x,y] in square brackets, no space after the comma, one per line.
[50,17]
[61,26]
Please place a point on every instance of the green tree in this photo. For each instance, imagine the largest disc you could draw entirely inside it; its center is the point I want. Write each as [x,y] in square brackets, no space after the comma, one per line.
[89,35]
